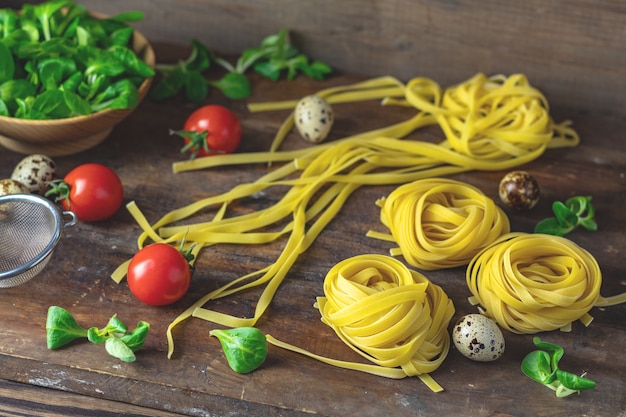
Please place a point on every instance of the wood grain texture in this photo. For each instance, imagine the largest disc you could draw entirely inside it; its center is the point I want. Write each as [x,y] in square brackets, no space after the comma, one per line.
[26,400]
[574,51]
[198,381]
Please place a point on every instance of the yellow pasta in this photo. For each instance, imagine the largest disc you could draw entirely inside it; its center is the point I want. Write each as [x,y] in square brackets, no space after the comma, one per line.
[531,283]
[489,123]
[440,223]
[388,314]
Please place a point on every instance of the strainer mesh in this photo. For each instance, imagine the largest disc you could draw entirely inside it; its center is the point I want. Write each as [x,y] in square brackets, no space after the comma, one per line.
[26,230]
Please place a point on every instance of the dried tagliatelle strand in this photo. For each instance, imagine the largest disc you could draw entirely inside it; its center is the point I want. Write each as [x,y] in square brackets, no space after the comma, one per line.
[388,314]
[440,223]
[530,283]
[376,88]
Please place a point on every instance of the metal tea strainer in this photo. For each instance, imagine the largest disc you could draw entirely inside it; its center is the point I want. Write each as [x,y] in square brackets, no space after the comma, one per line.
[30,228]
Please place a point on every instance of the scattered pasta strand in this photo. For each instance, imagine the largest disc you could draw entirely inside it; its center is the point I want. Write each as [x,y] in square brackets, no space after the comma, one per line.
[440,223]
[388,314]
[489,123]
[530,283]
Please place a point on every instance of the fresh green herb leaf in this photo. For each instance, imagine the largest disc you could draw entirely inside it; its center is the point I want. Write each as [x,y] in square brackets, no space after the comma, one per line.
[542,366]
[133,16]
[136,338]
[118,349]
[61,328]
[170,85]
[271,59]
[196,88]
[4,110]
[576,211]
[245,348]
[7,64]
[233,85]
[564,215]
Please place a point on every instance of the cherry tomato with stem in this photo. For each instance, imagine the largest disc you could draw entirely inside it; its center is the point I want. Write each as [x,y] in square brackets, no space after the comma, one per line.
[92,191]
[159,274]
[210,130]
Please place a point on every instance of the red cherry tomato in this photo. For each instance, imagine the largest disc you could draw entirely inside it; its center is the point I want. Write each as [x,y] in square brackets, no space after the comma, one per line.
[92,191]
[158,274]
[222,127]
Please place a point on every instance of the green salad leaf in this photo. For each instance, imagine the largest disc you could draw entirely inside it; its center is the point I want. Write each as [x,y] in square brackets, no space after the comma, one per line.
[576,211]
[274,57]
[542,366]
[62,328]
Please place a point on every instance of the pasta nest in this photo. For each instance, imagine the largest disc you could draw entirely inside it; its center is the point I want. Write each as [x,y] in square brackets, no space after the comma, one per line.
[531,283]
[441,223]
[387,313]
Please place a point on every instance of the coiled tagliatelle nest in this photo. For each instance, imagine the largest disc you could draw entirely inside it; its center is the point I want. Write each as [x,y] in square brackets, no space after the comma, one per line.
[530,283]
[390,315]
[440,223]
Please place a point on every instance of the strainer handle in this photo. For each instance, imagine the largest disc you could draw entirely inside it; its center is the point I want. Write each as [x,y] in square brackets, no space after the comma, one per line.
[70,218]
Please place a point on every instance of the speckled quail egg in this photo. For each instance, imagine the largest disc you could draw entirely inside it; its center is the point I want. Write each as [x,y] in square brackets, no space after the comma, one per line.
[314,118]
[9,186]
[478,337]
[519,190]
[35,171]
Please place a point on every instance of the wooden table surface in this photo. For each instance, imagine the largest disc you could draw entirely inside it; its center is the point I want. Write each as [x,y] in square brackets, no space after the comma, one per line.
[197,381]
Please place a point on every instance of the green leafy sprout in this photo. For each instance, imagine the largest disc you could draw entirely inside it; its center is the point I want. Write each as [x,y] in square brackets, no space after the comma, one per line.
[271,59]
[542,366]
[575,212]
[62,328]
[245,348]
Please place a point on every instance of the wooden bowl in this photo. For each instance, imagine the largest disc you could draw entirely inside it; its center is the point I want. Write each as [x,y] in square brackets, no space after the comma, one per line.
[74,134]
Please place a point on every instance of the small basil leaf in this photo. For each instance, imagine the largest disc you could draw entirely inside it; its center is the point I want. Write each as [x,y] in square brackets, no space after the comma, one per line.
[96,336]
[551,226]
[132,16]
[118,349]
[564,215]
[7,64]
[61,328]
[77,105]
[52,104]
[115,325]
[199,59]
[196,88]
[169,86]
[234,86]
[555,351]
[574,382]
[4,110]
[122,37]
[245,348]
[135,339]
[131,62]
[536,366]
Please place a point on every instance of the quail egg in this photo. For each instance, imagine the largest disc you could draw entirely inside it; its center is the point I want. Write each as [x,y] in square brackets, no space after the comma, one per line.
[35,171]
[314,118]
[519,190]
[9,186]
[478,338]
